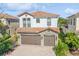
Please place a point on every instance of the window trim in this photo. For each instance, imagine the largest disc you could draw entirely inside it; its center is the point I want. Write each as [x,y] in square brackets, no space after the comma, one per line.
[49,21]
[28,22]
[74,21]
[24,22]
[37,20]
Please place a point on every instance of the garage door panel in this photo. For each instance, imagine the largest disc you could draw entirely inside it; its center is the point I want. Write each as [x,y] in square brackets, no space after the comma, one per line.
[31,39]
[49,40]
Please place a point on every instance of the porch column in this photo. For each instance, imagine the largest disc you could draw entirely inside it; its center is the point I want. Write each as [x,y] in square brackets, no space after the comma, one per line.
[19,39]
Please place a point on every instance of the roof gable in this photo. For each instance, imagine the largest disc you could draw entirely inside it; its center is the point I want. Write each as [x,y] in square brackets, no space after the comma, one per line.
[25,13]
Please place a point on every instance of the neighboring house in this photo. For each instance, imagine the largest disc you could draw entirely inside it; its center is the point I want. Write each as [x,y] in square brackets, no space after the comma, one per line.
[10,21]
[73,23]
[38,28]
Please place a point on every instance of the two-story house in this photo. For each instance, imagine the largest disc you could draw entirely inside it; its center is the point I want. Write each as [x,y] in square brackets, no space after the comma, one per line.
[10,21]
[73,23]
[38,28]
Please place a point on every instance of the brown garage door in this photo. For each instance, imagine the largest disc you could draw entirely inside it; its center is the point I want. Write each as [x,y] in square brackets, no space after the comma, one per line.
[49,40]
[31,39]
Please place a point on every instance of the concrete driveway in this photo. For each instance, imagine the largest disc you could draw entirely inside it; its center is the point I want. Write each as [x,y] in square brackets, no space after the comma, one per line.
[33,50]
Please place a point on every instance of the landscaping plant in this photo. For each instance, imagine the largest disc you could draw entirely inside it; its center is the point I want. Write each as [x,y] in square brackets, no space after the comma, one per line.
[5,40]
[61,49]
[72,41]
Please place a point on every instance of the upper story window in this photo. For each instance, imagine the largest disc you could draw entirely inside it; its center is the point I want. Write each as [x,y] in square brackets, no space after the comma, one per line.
[70,21]
[37,20]
[74,21]
[49,22]
[28,19]
[28,22]
[24,22]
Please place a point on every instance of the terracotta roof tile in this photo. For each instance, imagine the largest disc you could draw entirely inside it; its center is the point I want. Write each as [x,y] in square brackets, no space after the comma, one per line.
[41,14]
[36,30]
[7,16]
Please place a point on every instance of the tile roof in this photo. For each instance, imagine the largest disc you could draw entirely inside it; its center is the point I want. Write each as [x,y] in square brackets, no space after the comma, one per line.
[24,13]
[76,14]
[36,30]
[39,14]
[7,16]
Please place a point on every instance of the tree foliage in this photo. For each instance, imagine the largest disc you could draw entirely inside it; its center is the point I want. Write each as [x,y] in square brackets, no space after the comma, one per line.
[61,35]
[66,41]
[72,40]
[5,41]
[61,49]
[62,22]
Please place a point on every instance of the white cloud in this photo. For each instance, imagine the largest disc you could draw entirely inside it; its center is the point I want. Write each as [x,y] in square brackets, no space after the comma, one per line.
[71,11]
[29,7]
[25,7]
[19,6]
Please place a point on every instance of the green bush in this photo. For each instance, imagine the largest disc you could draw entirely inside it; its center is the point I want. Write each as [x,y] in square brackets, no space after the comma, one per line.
[68,41]
[5,46]
[5,40]
[72,41]
[61,49]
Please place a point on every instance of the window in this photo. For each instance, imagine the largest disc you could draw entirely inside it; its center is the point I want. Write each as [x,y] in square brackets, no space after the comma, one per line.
[49,22]
[37,20]
[28,22]
[71,21]
[74,21]
[24,22]
[9,22]
[28,19]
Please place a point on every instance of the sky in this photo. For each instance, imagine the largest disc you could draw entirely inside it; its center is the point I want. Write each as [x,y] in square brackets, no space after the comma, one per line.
[63,9]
